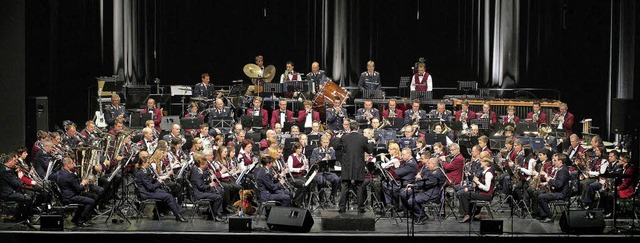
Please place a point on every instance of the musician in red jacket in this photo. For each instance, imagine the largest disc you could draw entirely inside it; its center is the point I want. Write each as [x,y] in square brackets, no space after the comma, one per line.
[563,119]
[281,115]
[257,110]
[308,115]
[625,188]
[156,114]
[511,116]
[537,115]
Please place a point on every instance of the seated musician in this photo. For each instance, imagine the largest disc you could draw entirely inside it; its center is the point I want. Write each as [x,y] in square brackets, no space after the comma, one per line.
[563,119]
[537,185]
[151,186]
[269,187]
[227,172]
[483,191]
[406,169]
[441,113]
[575,150]
[438,129]
[511,117]
[72,139]
[390,178]
[175,134]
[413,115]
[33,183]
[118,155]
[205,90]
[193,112]
[370,79]
[205,187]
[325,153]
[281,115]
[43,157]
[507,156]
[590,168]
[218,112]
[203,134]
[156,114]
[368,111]
[453,167]
[611,166]
[161,165]
[151,125]
[558,182]
[487,113]
[148,142]
[421,81]
[509,132]
[336,115]
[245,155]
[316,129]
[114,111]
[89,132]
[392,111]
[298,167]
[117,127]
[269,134]
[472,169]
[317,77]
[177,157]
[465,115]
[408,141]
[80,191]
[483,141]
[11,185]
[475,131]
[624,182]
[537,115]
[308,116]
[257,110]
[425,189]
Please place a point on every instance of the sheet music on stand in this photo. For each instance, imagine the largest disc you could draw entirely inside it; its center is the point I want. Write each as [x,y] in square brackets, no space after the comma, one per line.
[296,86]
[483,123]
[222,122]
[275,88]
[181,90]
[372,94]
[421,95]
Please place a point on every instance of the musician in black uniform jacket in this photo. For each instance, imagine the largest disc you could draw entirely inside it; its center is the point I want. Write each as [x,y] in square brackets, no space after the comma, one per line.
[205,187]
[353,166]
[72,190]
[560,187]
[11,187]
[149,187]
[426,188]
[114,111]
[204,90]
[406,171]
[269,188]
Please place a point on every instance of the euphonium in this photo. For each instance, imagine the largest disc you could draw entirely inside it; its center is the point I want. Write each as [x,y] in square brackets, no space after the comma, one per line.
[385,123]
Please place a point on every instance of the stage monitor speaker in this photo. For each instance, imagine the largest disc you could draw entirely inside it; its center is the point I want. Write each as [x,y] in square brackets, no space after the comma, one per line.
[53,222]
[491,227]
[237,224]
[621,113]
[290,219]
[582,222]
[37,115]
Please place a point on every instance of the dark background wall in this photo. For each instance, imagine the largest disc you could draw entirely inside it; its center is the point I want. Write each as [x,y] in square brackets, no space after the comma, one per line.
[564,45]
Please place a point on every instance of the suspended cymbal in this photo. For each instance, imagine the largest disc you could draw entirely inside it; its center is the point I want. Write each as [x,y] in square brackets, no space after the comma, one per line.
[269,73]
[251,70]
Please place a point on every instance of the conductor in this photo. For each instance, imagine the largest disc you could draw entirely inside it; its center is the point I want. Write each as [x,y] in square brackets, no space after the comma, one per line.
[353,165]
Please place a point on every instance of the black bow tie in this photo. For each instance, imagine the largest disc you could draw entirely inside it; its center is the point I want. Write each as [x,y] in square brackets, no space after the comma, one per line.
[421,75]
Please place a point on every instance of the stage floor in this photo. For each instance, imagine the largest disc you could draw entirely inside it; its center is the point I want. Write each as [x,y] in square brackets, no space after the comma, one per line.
[386,226]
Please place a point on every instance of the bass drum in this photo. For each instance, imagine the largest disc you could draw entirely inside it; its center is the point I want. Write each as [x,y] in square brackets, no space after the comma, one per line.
[328,91]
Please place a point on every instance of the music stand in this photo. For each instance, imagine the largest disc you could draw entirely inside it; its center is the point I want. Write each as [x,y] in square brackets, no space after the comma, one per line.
[456,125]
[363,122]
[497,143]
[559,133]
[396,123]
[431,138]
[191,122]
[159,98]
[272,88]
[313,139]
[483,123]
[251,121]
[137,120]
[326,165]
[183,91]
[221,122]
[238,90]
[296,86]
[421,95]
[526,127]
[372,94]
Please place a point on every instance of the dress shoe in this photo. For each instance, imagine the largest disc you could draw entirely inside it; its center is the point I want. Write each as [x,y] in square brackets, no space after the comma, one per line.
[608,216]
[82,224]
[180,218]
[466,218]
[547,220]
[477,217]
[217,218]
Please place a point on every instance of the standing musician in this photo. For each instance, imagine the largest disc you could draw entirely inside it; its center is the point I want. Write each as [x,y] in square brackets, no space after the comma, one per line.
[114,111]
[193,112]
[511,116]
[392,111]
[425,189]
[289,74]
[454,167]
[537,115]
[406,170]
[281,115]
[368,111]
[421,81]
[156,114]
[74,190]
[257,82]
[370,79]
[205,187]
[484,190]
[415,114]
[563,119]
[325,153]
[441,113]
[150,186]
[625,184]
[257,110]
[559,185]
[308,116]
[336,115]
[269,187]
[316,76]
[353,167]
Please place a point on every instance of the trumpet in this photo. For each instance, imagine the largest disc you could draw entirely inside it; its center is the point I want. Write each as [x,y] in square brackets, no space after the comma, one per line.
[485,115]
[534,118]
[557,119]
[392,113]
